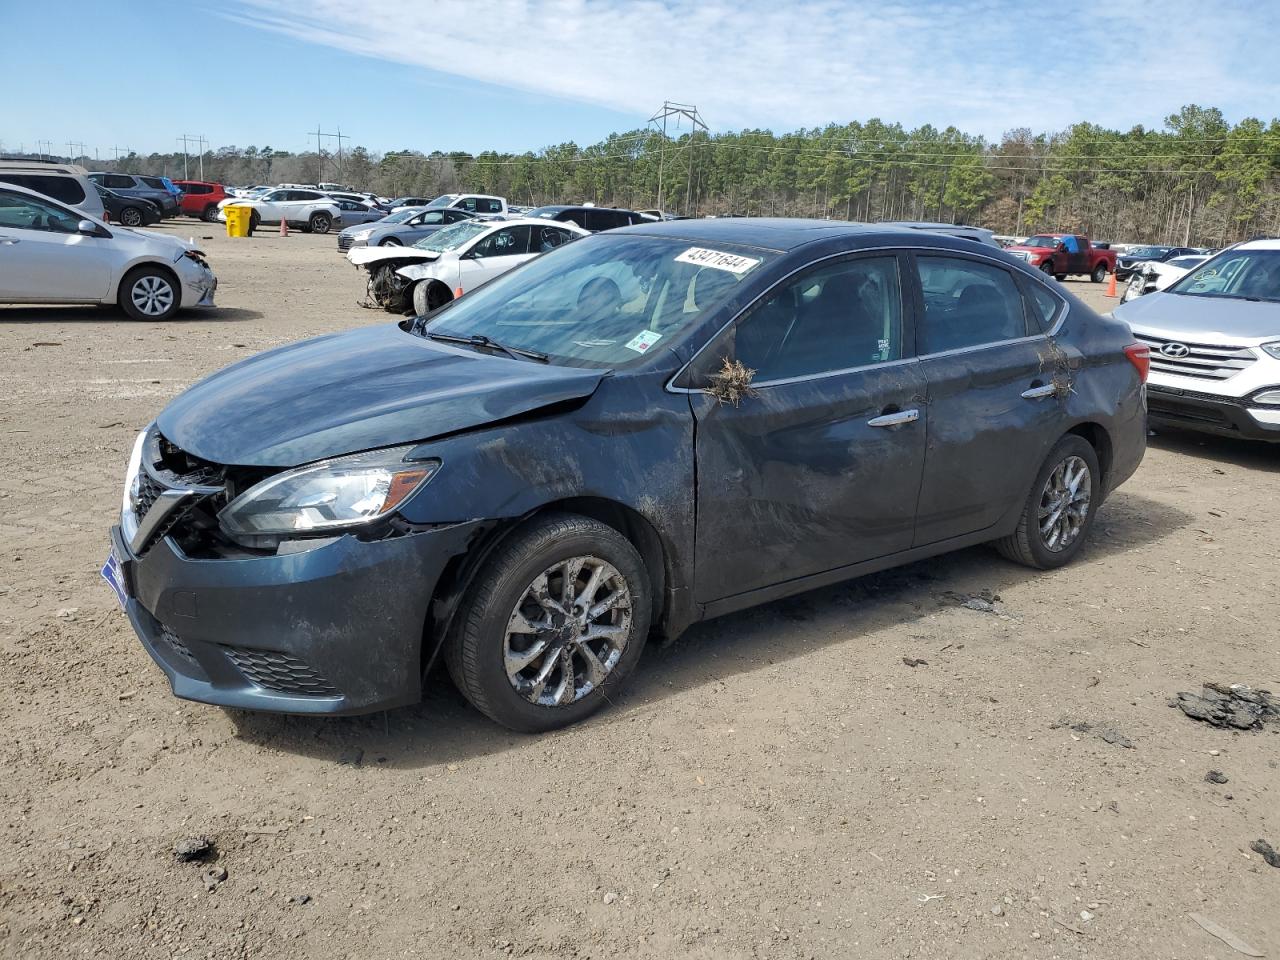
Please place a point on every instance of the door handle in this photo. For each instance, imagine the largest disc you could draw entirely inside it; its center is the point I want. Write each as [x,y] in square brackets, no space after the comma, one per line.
[894,419]
[1039,393]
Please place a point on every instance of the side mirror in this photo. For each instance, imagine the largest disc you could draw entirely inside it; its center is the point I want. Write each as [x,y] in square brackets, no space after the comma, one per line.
[87,227]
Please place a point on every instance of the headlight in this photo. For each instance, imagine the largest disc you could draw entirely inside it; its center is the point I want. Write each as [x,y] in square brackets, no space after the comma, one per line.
[362,235]
[327,496]
[132,485]
[1272,349]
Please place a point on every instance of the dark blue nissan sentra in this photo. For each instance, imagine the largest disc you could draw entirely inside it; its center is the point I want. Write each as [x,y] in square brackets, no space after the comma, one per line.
[631,433]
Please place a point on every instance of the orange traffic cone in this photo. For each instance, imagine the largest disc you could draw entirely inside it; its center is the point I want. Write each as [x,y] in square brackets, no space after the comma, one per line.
[457,293]
[1111,287]
[284,228]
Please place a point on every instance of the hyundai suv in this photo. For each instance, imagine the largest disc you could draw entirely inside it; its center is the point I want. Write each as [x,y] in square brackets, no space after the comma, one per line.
[1215,344]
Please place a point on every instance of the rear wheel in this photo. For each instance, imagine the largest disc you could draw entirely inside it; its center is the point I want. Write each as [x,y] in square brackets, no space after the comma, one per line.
[1099,274]
[210,213]
[254,220]
[320,223]
[131,217]
[552,625]
[149,293]
[1059,509]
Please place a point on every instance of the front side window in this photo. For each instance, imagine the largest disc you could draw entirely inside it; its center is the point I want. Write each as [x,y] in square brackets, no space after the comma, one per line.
[967,303]
[511,242]
[601,301]
[431,217]
[19,212]
[843,315]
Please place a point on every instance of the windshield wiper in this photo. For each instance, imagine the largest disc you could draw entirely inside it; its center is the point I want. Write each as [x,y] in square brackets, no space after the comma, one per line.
[480,340]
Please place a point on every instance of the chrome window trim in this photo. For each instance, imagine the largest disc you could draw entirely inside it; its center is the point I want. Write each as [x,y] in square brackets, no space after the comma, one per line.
[670,386]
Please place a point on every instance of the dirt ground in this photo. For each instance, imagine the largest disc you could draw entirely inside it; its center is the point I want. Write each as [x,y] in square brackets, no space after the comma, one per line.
[776,784]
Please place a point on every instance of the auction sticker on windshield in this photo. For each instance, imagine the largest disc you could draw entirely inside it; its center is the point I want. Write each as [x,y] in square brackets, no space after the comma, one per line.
[643,340]
[717,260]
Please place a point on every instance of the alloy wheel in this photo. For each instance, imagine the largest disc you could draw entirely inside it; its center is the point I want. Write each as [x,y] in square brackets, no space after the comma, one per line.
[130,217]
[568,631]
[152,295]
[1064,503]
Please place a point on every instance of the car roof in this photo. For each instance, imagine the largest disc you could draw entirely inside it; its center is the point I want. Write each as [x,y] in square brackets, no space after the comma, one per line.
[1268,243]
[784,234]
[532,221]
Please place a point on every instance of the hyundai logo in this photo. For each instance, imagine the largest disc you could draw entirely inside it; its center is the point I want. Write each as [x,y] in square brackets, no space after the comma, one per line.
[1175,350]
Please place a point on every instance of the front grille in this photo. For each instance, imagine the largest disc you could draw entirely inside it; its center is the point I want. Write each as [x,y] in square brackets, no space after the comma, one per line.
[1202,361]
[175,643]
[280,672]
[148,490]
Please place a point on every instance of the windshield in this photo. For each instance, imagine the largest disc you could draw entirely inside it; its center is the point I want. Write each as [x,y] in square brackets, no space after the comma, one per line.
[1235,275]
[443,201]
[548,213]
[1147,253]
[450,238]
[1041,241]
[602,301]
[1185,263]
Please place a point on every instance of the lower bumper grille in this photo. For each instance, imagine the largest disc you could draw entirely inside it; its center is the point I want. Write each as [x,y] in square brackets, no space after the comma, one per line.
[175,643]
[280,672]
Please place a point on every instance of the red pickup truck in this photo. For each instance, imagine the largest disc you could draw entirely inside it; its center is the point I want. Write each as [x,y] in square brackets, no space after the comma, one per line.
[1061,254]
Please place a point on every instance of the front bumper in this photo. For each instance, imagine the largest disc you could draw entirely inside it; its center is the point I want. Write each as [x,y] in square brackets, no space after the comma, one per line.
[337,629]
[1210,413]
[199,285]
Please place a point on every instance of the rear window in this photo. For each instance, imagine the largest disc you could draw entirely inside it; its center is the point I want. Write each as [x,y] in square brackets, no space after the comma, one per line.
[66,189]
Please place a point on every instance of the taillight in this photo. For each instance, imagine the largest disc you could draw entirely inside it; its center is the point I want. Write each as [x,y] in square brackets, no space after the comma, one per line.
[1139,355]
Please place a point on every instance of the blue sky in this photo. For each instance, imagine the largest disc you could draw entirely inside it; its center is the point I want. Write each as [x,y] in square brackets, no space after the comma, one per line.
[522,74]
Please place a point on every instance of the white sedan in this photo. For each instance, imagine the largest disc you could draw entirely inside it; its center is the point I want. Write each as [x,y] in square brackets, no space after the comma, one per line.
[51,253]
[458,258]
[1156,275]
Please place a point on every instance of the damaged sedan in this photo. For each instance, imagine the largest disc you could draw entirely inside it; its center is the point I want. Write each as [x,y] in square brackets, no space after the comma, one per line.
[637,431]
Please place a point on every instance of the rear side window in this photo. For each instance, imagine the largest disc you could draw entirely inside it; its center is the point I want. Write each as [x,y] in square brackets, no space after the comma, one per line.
[1043,305]
[197,188]
[967,304]
[66,189]
[574,216]
[117,181]
[155,182]
[484,205]
[844,315]
[548,238]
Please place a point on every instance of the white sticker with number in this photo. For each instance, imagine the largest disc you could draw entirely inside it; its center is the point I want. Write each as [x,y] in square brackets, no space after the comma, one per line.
[643,340]
[717,260]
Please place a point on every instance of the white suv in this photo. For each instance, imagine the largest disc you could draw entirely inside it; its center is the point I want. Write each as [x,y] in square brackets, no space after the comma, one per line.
[309,209]
[1215,344]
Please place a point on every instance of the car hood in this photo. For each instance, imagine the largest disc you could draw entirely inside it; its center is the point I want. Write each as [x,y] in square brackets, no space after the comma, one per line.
[362,255]
[1202,319]
[347,392]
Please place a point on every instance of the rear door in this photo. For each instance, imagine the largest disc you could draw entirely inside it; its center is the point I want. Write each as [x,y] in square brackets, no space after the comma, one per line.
[993,404]
[819,465]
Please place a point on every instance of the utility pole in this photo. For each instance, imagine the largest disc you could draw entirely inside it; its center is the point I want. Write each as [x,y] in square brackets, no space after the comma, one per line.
[43,147]
[319,133]
[689,112]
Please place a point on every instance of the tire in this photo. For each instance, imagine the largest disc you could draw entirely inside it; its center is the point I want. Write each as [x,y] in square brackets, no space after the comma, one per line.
[1047,267]
[210,213]
[390,242]
[477,647]
[319,223]
[254,220]
[131,217]
[1059,277]
[1030,546]
[1099,274]
[429,296]
[149,293]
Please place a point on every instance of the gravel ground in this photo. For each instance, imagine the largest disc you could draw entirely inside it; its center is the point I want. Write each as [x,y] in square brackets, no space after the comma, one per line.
[779,783]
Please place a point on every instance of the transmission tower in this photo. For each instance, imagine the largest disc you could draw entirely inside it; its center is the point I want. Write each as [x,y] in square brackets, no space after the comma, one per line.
[679,111]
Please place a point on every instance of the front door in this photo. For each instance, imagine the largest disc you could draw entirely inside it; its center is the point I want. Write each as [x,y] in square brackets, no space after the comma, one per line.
[44,257]
[493,255]
[994,381]
[818,463]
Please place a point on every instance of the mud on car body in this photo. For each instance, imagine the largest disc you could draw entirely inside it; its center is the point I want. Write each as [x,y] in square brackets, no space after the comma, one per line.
[532,479]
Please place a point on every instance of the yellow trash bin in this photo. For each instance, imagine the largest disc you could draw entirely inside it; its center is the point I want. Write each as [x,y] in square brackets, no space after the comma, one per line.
[237,221]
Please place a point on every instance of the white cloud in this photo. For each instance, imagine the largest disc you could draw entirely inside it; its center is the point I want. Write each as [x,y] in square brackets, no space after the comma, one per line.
[984,65]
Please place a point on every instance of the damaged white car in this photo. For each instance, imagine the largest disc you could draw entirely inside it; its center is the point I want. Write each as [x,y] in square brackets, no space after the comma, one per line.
[449,262]
[1155,275]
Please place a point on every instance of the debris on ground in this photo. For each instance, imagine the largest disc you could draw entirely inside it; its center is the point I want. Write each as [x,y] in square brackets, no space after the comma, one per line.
[1225,935]
[913,662]
[214,876]
[193,848]
[301,899]
[352,759]
[984,601]
[1106,732]
[1215,776]
[1266,852]
[1235,705]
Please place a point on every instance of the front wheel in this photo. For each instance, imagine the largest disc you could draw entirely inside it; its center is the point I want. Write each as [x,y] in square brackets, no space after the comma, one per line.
[1047,267]
[1059,509]
[320,223]
[149,293]
[552,625]
[390,242]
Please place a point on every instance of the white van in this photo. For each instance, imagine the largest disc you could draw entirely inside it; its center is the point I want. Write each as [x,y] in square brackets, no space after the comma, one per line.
[64,182]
